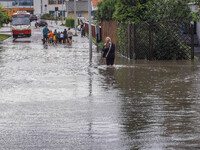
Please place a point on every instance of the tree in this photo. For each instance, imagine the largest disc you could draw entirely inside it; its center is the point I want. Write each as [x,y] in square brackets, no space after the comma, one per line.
[131,10]
[146,10]
[152,10]
[105,10]
[4,18]
[165,10]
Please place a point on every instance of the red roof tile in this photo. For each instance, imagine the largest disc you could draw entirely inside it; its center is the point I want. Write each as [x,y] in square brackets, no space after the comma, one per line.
[95,2]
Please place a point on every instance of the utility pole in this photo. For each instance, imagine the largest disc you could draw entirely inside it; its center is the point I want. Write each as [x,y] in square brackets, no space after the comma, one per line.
[41,8]
[90,29]
[75,17]
[62,11]
[67,8]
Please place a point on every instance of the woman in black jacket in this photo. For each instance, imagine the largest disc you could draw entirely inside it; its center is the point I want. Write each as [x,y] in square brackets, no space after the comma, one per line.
[109,51]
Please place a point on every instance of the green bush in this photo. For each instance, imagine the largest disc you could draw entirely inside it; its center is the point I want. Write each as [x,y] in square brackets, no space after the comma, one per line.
[4,18]
[122,39]
[47,17]
[69,23]
[168,45]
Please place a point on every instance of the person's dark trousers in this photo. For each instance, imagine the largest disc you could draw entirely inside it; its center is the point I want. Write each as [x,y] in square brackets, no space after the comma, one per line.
[45,37]
[110,60]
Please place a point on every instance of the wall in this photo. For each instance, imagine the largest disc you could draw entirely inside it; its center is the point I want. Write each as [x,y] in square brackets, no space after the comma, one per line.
[11,11]
[84,14]
[194,8]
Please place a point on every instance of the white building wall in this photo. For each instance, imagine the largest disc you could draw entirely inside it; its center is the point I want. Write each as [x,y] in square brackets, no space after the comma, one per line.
[6,4]
[195,8]
[39,7]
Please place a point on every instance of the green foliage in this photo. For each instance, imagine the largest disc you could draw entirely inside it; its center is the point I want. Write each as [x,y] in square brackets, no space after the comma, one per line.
[131,11]
[122,39]
[47,17]
[4,18]
[69,23]
[4,36]
[152,10]
[160,10]
[105,10]
[168,46]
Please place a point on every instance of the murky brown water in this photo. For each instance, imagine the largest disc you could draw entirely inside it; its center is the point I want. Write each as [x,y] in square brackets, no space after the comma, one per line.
[52,99]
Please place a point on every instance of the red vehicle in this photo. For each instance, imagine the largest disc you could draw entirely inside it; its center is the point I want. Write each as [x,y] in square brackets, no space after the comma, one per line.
[21,25]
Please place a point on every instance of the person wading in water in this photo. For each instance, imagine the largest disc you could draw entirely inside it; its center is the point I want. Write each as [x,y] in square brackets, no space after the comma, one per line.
[109,51]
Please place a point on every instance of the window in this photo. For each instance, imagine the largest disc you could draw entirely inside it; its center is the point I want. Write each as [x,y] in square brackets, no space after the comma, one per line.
[60,1]
[52,13]
[52,1]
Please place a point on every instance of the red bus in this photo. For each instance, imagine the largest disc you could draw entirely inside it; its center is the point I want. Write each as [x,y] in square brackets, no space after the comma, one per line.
[21,25]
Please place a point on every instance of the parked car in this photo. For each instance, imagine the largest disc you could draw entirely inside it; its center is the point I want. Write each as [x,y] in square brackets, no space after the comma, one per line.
[33,17]
[41,23]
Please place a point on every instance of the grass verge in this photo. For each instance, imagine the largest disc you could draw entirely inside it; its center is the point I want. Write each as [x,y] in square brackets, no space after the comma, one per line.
[4,37]
[99,44]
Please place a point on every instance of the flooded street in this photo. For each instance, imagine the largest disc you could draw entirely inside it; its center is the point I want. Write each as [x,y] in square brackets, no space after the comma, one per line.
[52,98]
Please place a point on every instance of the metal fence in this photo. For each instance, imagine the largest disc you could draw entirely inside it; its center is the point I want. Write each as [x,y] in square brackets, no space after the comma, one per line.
[160,41]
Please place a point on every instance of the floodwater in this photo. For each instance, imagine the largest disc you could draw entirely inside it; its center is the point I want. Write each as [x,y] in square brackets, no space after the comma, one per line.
[52,98]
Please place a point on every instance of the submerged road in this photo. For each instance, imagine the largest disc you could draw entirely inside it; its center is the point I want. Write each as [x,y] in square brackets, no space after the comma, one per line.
[52,98]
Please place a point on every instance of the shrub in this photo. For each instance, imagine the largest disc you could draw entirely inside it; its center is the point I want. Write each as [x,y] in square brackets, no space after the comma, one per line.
[47,17]
[69,23]
[122,39]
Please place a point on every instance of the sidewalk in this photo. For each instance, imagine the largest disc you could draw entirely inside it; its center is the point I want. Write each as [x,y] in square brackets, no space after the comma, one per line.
[6,30]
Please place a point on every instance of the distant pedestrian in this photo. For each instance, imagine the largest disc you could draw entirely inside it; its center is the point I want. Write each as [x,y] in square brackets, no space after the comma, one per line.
[109,51]
[65,36]
[83,31]
[61,37]
[70,34]
[50,37]
[54,37]
[58,37]
[45,34]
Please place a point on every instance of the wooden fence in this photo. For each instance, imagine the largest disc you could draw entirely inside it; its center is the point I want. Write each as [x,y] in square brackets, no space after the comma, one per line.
[108,28]
[93,29]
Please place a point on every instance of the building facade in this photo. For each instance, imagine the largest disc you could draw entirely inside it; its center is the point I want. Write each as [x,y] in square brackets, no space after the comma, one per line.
[65,8]
[12,6]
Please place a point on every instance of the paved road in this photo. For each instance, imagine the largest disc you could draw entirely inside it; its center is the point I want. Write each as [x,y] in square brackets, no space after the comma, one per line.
[51,98]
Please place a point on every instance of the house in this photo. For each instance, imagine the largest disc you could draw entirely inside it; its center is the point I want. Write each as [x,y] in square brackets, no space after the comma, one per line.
[195,8]
[65,8]
[94,4]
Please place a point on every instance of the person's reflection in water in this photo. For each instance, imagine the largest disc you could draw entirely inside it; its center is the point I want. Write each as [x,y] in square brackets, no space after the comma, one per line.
[45,46]
[110,76]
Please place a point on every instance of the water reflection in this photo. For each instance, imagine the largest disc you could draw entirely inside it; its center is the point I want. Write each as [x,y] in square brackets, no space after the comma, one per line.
[157,103]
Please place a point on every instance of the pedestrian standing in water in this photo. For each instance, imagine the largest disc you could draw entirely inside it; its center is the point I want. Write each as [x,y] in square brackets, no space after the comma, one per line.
[51,37]
[58,37]
[83,31]
[109,51]
[70,34]
[45,34]
[61,37]
[54,37]
[65,36]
